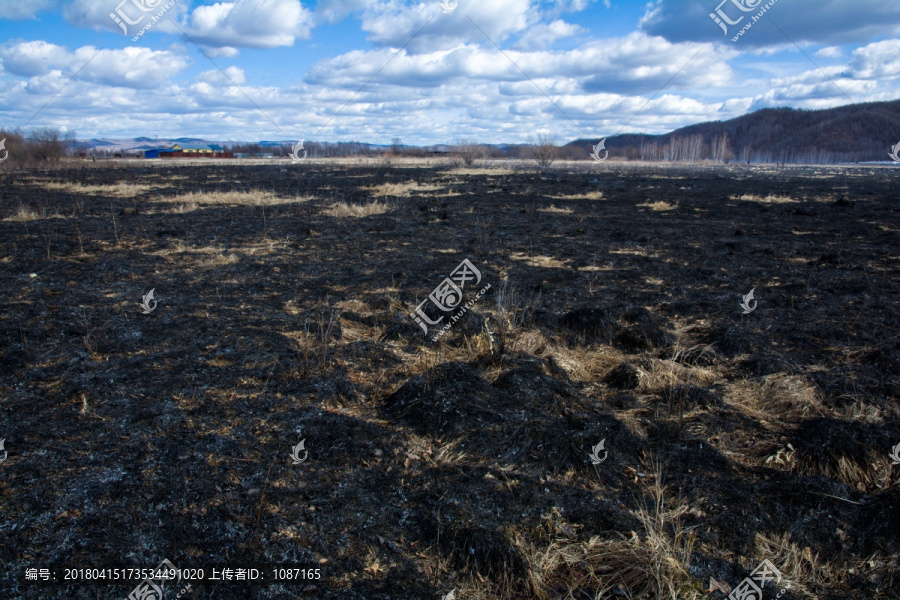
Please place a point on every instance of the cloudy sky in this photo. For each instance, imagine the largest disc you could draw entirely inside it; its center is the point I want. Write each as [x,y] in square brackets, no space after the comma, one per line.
[373,70]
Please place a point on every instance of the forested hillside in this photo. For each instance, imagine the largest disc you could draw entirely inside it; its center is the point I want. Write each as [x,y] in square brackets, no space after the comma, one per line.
[853,133]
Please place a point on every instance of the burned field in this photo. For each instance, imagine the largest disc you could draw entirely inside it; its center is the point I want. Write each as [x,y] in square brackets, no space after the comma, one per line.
[283,299]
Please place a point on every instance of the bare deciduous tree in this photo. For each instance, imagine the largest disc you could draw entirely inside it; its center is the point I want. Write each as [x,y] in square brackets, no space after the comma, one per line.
[467,150]
[44,145]
[47,144]
[543,149]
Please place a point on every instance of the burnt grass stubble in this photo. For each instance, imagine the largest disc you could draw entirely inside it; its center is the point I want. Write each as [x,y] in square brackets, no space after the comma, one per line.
[134,437]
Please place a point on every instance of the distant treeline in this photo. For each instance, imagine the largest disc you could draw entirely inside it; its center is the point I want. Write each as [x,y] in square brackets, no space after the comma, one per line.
[42,145]
[397,149]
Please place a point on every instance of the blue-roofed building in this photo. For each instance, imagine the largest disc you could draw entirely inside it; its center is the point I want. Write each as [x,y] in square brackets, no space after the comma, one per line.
[190,151]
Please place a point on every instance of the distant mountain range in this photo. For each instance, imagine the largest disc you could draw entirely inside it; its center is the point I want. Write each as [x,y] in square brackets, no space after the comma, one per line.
[135,145]
[139,144]
[852,133]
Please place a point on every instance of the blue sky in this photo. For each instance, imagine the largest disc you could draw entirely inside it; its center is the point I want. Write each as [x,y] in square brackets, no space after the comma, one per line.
[373,70]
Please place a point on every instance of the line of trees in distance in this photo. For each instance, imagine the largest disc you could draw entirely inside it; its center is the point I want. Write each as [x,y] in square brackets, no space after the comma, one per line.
[41,145]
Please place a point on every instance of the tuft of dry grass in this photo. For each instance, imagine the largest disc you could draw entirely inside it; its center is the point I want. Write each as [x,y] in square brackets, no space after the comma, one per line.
[402,189]
[779,397]
[654,566]
[22,215]
[661,375]
[469,171]
[343,209]
[120,190]
[547,262]
[586,364]
[770,199]
[191,200]
[554,209]
[659,206]
[596,195]
[807,574]
[217,258]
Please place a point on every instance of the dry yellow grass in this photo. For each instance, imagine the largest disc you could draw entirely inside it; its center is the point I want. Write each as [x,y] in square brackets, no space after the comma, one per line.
[805,573]
[655,566]
[343,209]
[120,190]
[22,215]
[218,259]
[659,206]
[540,261]
[778,397]
[597,195]
[584,364]
[770,199]
[661,375]
[205,256]
[192,200]
[554,209]
[402,189]
[468,171]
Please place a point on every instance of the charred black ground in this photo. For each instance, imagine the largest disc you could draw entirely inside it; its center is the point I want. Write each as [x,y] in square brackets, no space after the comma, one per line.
[463,464]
